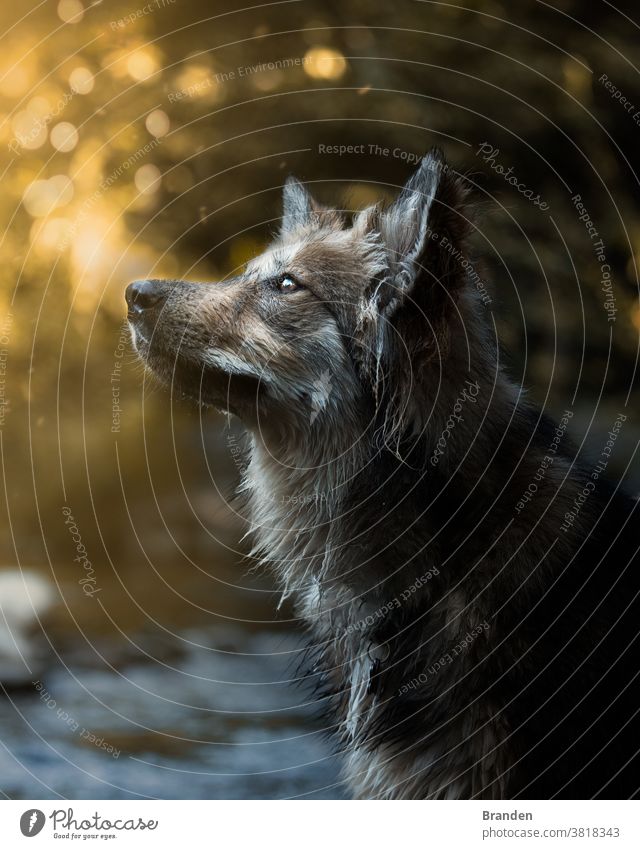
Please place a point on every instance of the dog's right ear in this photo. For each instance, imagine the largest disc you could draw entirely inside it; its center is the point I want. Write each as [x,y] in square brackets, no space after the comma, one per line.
[300,210]
[297,205]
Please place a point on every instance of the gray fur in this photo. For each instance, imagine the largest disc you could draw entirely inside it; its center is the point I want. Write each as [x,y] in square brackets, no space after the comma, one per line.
[348,506]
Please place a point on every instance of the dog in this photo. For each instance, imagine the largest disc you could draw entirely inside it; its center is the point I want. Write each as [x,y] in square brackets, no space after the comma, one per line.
[469,585]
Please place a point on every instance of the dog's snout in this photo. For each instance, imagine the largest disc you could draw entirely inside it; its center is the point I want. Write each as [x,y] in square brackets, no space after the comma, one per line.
[143,294]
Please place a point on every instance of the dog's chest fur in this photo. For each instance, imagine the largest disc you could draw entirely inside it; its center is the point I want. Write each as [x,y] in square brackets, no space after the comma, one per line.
[381,612]
[446,628]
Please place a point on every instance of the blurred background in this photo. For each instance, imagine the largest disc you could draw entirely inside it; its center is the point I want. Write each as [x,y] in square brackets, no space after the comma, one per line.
[140,656]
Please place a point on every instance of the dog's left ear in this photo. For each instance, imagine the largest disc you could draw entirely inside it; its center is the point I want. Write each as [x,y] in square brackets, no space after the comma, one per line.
[301,210]
[405,225]
[407,308]
[422,230]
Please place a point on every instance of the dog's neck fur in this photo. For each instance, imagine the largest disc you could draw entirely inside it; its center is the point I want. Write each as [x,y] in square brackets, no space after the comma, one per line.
[299,483]
[294,497]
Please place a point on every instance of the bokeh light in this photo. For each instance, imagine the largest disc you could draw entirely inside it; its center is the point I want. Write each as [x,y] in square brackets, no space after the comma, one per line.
[197,81]
[29,130]
[324,63]
[147,179]
[40,198]
[70,11]
[64,137]
[157,123]
[39,106]
[64,187]
[81,80]
[142,65]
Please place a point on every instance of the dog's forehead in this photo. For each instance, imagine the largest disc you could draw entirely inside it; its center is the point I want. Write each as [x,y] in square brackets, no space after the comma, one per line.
[286,255]
[273,261]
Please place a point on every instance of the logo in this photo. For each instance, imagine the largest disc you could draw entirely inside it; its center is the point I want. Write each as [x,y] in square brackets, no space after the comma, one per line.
[32,822]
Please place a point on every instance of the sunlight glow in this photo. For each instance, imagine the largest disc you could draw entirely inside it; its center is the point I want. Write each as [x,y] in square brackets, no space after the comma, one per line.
[324,63]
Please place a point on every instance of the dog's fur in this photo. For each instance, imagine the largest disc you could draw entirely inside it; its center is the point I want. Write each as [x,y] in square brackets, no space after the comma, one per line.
[469,647]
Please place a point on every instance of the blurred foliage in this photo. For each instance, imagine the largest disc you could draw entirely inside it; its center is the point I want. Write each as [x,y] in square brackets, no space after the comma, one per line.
[152,139]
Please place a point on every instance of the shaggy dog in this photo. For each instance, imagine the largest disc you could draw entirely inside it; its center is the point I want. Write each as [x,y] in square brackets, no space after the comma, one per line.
[470,587]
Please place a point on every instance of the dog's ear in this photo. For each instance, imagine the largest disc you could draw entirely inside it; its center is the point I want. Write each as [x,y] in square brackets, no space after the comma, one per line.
[423,232]
[405,226]
[301,210]
[297,205]
[408,308]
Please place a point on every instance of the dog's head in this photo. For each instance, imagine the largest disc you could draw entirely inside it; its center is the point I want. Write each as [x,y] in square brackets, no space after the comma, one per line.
[334,316]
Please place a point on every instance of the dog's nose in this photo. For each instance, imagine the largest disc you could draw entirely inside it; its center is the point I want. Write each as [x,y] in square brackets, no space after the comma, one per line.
[143,294]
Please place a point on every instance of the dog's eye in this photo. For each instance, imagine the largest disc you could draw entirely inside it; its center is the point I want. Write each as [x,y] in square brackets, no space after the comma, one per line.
[287,284]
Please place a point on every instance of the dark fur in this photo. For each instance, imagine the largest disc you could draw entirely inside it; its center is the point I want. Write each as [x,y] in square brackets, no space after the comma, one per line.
[542,702]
